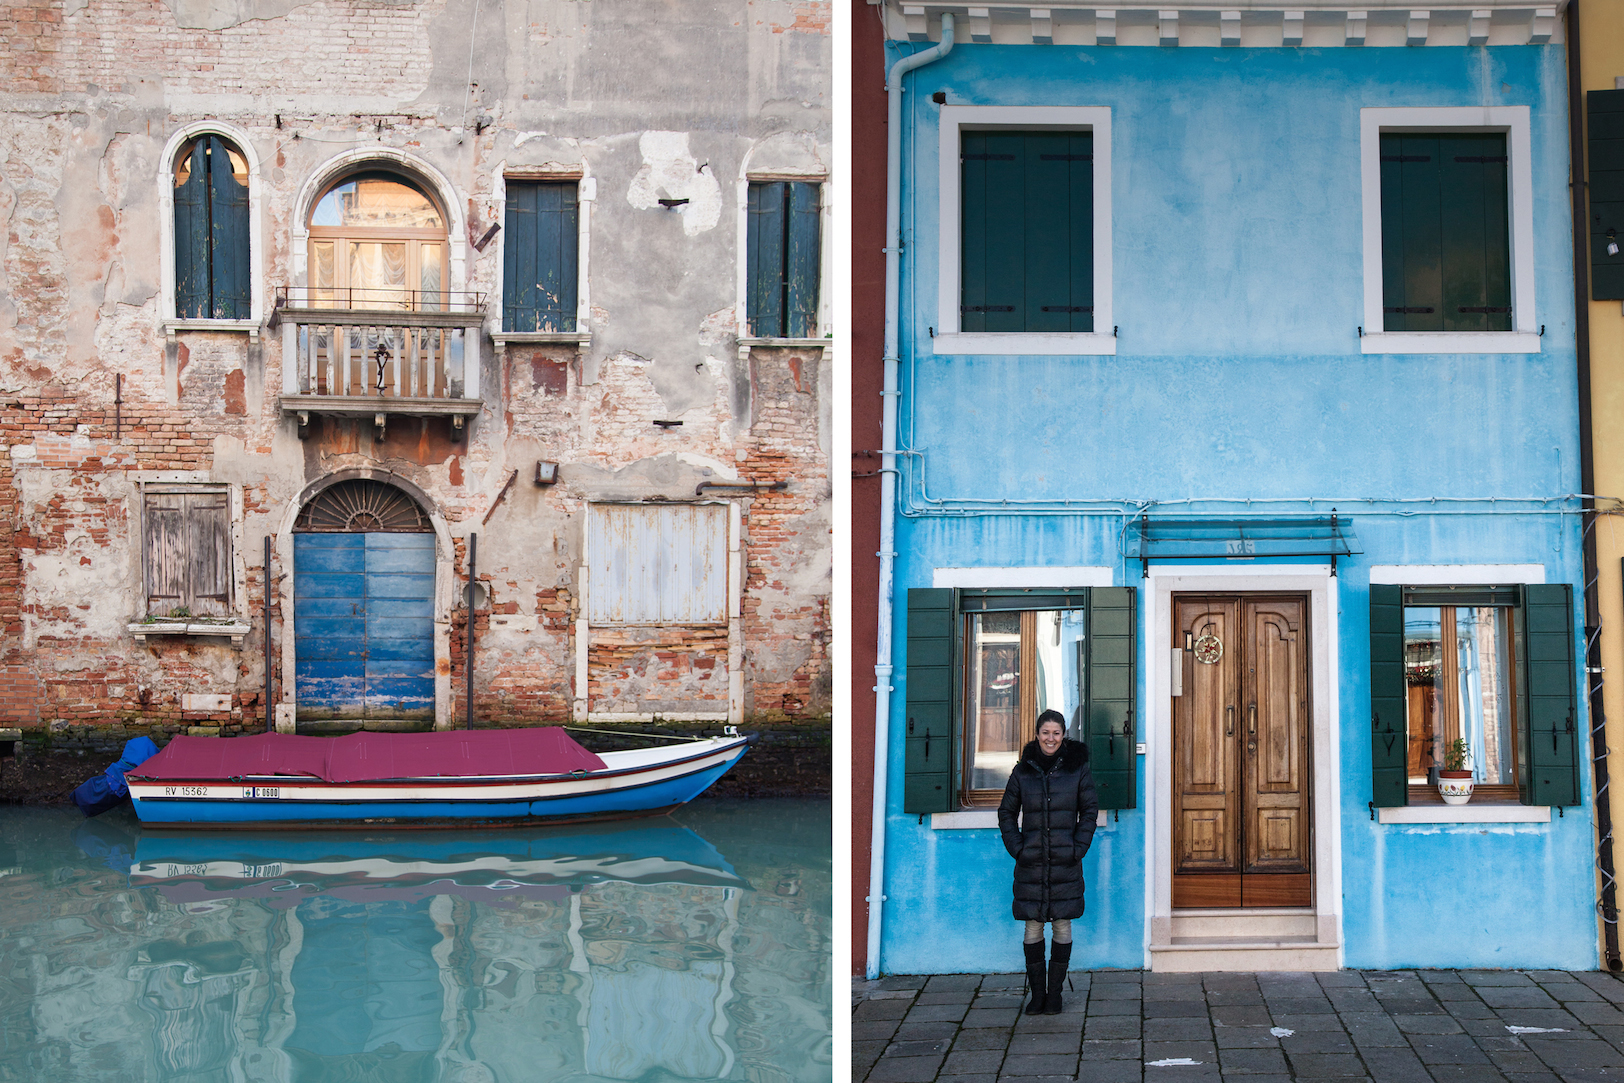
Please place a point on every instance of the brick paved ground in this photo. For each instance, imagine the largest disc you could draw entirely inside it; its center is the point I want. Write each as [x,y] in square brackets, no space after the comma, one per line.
[1408,1026]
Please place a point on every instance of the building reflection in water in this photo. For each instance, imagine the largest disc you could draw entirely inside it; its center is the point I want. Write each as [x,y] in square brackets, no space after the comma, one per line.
[624,953]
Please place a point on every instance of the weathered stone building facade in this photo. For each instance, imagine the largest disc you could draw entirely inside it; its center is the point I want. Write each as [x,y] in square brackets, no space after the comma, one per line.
[547,274]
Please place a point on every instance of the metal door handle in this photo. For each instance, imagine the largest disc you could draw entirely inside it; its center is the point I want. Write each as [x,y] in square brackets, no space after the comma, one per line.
[1251,718]
[1229,720]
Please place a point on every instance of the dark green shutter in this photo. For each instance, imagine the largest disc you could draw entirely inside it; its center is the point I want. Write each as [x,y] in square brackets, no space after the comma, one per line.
[1389,771]
[1553,733]
[540,257]
[928,720]
[228,235]
[1027,231]
[1112,684]
[192,239]
[1605,110]
[764,271]
[801,262]
[1446,248]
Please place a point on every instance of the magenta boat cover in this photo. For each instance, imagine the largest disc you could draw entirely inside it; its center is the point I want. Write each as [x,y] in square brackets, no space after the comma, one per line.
[367,757]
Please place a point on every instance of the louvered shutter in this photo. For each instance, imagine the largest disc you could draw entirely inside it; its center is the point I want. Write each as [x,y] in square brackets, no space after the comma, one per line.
[208,553]
[540,257]
[192,239]
[1605,109]
[166,543]
[1389,781]
[929,725]
[228,237]
[1112,686]
[1553,733]
[801,262]
[765,252]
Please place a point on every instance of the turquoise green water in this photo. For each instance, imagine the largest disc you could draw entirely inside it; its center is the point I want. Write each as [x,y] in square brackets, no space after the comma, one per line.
[686,947]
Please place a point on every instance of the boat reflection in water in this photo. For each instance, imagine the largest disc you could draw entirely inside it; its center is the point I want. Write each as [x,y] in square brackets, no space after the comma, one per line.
[596,951]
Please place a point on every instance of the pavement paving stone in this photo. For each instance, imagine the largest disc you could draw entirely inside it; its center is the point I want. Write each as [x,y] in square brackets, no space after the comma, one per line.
[1111,1050]
[990,982]
[1588,1075]
[881,1009]
[1466,1073]
[1175,1009]
[1237,1015]
[904,981]
[1613,1035]
[1470,1009]
[1454,991]
[991,1017]
[877,1030]
[1427,1024]
[1234,996]
[1553,1018]
[1328,1021]
[1241,1061]
[1267,1077]
[981,1039]
[1035,1078]
[1395,1066]
[1000,999]
[1516,1060]
[973,1077]
[1409,1005]
[1339,978]
[973,1061]
[1204,1052]
[1100,1006]
[1496,996]
[936,1013]
[1177,1029]
[1318,1041]
[924,1048]
[1110,1071]
[1595,1013]
[910,1032]
[1532,1077]
[1327,1066]
[1110,1027]
[1572,992]
[1154,978]
[1352,999]
[1066,1021]
[1126,977]
[1440,977]
[863,1056]
[1175,994]
[1299,1005]
[1375,1029]
[1447,1049]
[1055,1041]
[1485,1028]
[1115,990]
[1604,983]
[1496,977]
[962,996]
[942,983]
[905,1070]
[1582,1053]
[1061,1064]
[1245,1038]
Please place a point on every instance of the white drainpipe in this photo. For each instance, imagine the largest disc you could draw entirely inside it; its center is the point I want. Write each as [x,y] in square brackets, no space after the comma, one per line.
[888,476]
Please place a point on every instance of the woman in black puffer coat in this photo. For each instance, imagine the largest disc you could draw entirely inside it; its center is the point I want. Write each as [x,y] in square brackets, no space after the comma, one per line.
[1052,792]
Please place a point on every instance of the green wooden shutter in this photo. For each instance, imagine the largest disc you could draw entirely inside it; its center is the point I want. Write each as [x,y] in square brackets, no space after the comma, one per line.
[192,238]
[802,262]
[1605,109]
[1552,737]
[540,257]
[1446,248]
[928,719]
[1112,684]
[764,260]
[1389,771]
[228,238]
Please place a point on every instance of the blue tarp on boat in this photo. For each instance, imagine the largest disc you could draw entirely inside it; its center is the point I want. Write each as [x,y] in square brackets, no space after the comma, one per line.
[96,795]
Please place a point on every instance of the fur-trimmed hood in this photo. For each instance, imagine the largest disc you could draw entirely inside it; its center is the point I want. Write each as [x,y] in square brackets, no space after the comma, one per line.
[1073,754]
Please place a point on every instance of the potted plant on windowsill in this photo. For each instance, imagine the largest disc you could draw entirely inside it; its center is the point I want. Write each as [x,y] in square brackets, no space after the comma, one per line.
[1455,778]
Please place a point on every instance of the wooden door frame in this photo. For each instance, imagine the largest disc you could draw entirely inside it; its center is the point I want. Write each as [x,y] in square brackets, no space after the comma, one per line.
[1316,582]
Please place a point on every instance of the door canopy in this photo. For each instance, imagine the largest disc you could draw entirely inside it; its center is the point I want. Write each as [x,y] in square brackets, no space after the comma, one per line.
[362,505]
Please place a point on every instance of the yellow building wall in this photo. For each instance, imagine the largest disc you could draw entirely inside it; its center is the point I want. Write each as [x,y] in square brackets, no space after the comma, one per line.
[1601,38]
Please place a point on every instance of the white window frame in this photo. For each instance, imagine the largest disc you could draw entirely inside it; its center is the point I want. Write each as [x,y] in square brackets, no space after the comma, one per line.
[741,273]
[1510,119]
[168,321]
[586,194]
[948,339]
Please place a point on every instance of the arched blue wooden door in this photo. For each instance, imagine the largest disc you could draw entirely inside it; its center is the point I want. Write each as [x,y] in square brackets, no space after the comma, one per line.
[363,604]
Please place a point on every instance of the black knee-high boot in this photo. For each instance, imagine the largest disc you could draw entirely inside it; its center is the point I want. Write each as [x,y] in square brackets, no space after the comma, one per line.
[1035,978]
[1059,960]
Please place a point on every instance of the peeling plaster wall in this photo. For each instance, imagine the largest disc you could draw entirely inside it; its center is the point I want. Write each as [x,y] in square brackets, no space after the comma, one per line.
[670,100]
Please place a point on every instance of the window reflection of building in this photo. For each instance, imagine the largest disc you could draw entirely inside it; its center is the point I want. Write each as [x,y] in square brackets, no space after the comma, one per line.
[1021,663]
[1458,665]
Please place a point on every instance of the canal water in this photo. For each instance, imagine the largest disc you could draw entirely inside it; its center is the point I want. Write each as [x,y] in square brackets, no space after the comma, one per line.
[689,947]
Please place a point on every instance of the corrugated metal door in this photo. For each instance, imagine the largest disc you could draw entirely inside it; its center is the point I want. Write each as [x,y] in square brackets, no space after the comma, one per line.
[657,565]
[364,625]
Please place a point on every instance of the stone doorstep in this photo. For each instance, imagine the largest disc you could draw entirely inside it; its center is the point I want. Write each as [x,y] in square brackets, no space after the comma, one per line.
[1194,954]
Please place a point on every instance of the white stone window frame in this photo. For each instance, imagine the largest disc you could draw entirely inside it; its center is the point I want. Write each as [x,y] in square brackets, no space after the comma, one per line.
[586,194]
[1514,121]
[169,323]
[948,339]
[1432,575]
[826,268]
[238,624]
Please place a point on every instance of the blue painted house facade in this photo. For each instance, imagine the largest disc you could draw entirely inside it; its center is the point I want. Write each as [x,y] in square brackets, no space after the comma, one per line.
[1235,417]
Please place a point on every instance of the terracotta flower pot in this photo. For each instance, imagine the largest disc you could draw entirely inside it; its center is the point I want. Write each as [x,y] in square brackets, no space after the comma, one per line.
[1455,787]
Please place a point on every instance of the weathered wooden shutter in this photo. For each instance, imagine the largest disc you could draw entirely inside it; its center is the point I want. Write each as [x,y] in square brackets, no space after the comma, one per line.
[1112,685]
[765,242]
[192,238]
[1553,733]
[188,552]
[540,257]
[1389,778]
[1027,231]
[1605,109]
[1446,242]
[802,262]
[228,235]
[929,736]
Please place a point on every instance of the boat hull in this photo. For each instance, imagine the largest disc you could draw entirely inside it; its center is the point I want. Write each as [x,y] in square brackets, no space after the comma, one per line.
[433,802]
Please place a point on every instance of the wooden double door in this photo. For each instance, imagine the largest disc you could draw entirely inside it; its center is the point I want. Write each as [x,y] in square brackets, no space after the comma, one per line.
[1242,827]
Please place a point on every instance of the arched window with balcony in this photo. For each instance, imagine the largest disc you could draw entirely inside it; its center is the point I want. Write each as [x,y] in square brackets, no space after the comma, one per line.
[378,241]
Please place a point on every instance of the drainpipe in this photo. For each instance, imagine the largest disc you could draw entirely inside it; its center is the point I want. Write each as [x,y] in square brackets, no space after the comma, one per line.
[1608,903]
[888,475]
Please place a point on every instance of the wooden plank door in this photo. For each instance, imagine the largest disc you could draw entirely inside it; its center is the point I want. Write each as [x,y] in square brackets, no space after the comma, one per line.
[1241,827]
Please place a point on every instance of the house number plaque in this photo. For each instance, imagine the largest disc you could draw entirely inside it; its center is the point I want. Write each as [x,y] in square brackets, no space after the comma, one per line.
[1208,649]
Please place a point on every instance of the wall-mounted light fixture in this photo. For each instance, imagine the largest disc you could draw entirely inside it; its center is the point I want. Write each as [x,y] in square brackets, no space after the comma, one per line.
[546,473]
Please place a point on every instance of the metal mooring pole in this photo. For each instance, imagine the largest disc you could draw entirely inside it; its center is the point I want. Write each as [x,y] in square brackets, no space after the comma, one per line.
[468,674]
[270,717]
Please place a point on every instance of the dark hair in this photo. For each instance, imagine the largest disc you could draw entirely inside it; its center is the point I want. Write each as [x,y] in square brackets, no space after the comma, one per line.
[1052,716]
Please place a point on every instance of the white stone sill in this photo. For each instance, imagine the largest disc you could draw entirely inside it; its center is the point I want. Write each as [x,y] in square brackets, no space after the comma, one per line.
[789,343]
[1449,342]
[1465,814]
[236,630]
[1022,343]
[978,819]
[172,326]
